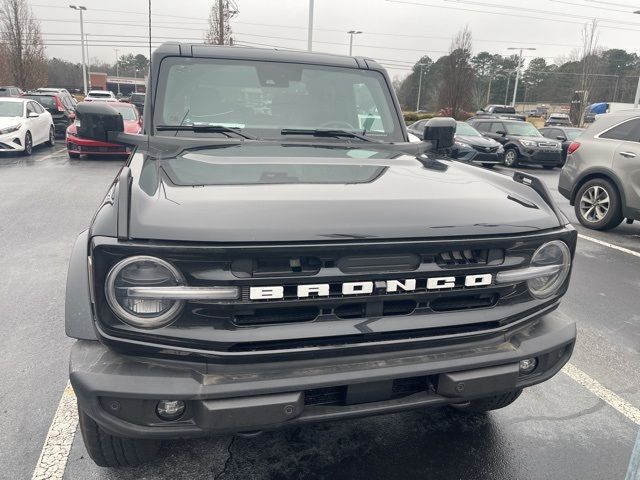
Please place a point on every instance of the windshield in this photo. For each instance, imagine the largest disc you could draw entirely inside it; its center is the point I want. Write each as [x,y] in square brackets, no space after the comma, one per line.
[463,128]
[265,97]
[10,109]
[127,112]
[522,129]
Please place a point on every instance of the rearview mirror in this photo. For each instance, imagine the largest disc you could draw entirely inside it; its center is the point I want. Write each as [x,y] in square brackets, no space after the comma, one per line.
[440,132]
[96,120]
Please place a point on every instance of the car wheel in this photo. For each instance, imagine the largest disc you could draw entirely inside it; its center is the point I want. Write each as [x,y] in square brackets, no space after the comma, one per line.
[110,451]
[487,165]
[28,145]
[52,137]
[489,403]
[597,205]
[511,157]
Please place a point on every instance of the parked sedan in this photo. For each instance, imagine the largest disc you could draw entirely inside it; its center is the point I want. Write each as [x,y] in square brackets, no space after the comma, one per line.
[558,119]
[471,146]
[566,135]
[523,143]
[24,124]
[54,104]
[77,146]
[601,177]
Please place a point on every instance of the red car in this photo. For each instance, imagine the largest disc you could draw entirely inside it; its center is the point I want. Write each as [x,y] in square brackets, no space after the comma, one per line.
[77,146]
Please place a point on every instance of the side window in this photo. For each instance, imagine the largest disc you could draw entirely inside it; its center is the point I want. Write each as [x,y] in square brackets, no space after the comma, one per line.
[497,127]
[628,131]
[481,126]
[38,108]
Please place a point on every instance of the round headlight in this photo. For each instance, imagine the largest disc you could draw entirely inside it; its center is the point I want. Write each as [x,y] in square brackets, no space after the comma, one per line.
[143,271]
[554,253]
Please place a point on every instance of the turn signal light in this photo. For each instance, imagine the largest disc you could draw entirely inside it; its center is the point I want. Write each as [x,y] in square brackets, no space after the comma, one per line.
[573,147]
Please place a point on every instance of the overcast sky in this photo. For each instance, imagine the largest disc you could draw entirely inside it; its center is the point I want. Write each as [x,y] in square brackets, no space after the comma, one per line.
[395,32]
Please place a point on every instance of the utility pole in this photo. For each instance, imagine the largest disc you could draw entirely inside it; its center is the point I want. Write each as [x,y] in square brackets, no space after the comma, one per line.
[310,29]
[419,87]
[221,22]
[351,34]
[637,99]
[506,93]
[118,70]
[88,60]
[81,9]
[515,88]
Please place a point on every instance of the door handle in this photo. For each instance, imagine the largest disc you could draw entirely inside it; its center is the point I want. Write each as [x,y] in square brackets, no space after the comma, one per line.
[628,154]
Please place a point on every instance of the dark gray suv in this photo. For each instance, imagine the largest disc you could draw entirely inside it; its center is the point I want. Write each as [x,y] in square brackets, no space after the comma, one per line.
[601,177]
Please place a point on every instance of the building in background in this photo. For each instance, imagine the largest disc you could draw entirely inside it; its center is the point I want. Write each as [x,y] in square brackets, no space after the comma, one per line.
[125,85]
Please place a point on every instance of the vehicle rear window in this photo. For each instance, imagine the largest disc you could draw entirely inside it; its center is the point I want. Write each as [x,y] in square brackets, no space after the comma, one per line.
[100,94]
[504,110]
[127,112]
[628,131]
[4,92]
[44,100]
[137,97]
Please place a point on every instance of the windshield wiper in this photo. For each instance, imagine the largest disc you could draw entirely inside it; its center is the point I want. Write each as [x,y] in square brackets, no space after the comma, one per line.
[205,129]
[326,133]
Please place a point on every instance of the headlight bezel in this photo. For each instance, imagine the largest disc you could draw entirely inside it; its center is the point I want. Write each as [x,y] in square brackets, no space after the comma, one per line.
[528,143]
[11,129]
[560,277]
[144,322]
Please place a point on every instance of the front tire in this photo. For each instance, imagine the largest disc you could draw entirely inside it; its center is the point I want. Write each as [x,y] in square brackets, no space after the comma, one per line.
[109,451]
[52,137]
[597,205]
[489,403]
[511,158]
[28,145]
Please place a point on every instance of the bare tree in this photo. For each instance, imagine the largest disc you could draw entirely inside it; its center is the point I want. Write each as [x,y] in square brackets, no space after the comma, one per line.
[589,59]
[23,47]
[219,33]
[458,79]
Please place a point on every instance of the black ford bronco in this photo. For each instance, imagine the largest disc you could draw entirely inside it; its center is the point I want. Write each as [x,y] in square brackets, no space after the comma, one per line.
[276,252]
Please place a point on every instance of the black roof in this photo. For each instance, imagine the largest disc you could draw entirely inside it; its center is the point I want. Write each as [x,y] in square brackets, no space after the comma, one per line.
[199,50]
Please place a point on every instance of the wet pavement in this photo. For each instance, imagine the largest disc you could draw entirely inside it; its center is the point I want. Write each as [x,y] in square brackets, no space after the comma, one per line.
[557,430]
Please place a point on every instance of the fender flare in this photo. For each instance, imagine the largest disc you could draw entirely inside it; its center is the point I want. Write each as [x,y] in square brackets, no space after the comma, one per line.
[78,313]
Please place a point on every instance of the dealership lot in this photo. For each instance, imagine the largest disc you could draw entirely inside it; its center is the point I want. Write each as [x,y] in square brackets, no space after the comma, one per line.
[560,429]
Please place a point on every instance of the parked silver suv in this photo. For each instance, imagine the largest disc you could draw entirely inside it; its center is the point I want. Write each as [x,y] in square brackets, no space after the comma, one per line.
[601,177]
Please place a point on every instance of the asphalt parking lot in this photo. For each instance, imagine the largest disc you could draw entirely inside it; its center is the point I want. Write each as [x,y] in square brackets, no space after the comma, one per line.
[580,425]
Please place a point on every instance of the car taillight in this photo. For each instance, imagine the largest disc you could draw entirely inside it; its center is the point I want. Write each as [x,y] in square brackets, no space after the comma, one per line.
[573,147]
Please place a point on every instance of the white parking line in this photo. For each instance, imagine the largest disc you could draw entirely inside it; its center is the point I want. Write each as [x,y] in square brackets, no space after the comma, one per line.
[595,387]
[610,245]
[57,445]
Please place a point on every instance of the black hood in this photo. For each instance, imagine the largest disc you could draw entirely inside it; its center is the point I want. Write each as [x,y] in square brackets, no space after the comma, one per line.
[477,141]
[328,198]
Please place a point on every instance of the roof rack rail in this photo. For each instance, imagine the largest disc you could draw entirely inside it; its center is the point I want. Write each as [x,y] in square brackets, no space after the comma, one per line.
[541,189]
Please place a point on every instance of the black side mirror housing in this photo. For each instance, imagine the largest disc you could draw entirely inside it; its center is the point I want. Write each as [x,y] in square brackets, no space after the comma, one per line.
[98,121]
[440,132]
[500,132]
[561,138]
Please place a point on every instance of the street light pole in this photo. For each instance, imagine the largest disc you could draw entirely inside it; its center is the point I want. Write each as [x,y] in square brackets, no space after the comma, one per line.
[351,34]
[117,70]
[419,87]
[81,9]
[515,88]
[310,29]
[88,60]
[637,99]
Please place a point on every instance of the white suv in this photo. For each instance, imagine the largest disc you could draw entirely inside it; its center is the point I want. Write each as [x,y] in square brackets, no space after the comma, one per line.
[100,96]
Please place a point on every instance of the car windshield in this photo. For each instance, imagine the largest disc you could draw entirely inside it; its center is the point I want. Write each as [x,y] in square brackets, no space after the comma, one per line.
[44,100]
[463,128]
[264,98]
[10,109]
[522,129]
[126,111]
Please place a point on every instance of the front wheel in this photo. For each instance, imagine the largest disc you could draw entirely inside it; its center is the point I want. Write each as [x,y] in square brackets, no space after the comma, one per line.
[511,158]
[489,403]
[52,137]
[597,205]
[109,451]
[28,145]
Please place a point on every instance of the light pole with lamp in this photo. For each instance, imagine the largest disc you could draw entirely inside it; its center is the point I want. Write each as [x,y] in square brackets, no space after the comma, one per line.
[515,88]
[81,9]
[419,86]
[117,70]
[351,34]
[637,99]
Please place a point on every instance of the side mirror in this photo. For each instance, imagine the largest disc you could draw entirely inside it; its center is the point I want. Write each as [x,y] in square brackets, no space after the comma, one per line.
[97,120]
[33,115]
[440,132]
[561,138]
[500,132]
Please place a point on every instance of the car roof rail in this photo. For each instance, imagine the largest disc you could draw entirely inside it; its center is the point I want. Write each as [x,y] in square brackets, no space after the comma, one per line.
[541,189]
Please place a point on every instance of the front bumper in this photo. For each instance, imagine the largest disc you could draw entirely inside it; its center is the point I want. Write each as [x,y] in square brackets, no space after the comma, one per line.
[92,147]
[12,142]
[537,156]
[121,392]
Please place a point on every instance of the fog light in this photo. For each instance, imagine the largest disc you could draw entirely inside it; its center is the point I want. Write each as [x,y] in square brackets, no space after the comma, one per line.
[170,409]
[528,365]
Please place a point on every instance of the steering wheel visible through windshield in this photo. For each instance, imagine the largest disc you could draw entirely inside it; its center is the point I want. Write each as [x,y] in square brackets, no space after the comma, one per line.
[263,98]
